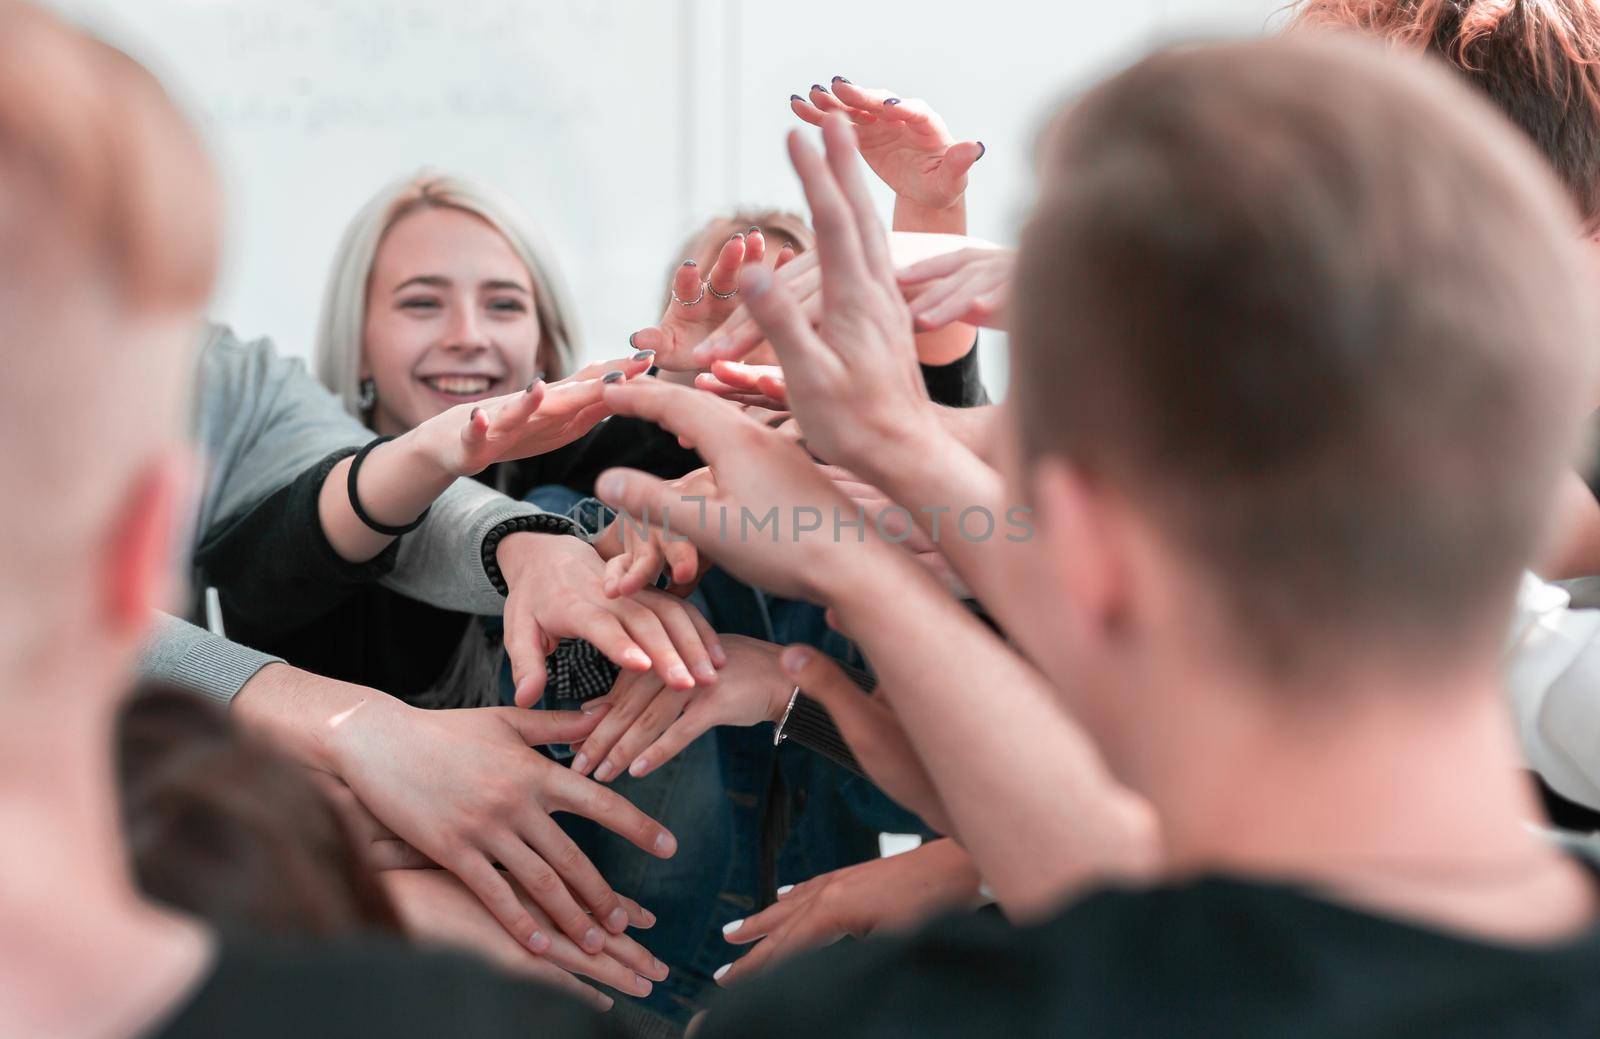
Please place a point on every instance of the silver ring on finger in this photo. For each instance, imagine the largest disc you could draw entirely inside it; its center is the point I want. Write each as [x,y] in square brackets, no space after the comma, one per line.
[691,302]
[721,295]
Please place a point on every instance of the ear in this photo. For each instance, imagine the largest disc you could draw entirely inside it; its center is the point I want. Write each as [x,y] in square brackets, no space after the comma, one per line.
[1080,544]
[140,571]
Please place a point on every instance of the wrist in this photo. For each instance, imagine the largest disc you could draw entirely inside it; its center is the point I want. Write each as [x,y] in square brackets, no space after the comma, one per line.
[914,216]
[432,449]
[307,717]
[510,546]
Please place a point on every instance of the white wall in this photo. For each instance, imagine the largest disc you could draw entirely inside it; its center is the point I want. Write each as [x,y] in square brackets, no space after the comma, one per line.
[618,124]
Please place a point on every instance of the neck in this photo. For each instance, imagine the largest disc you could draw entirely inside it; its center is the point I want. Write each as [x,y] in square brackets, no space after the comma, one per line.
[1407,794]
[85,954]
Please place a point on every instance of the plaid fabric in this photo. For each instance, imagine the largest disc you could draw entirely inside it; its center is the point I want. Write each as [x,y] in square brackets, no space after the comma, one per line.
[578,672]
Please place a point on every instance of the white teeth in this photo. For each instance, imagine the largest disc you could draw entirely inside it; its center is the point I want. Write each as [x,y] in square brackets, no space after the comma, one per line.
[464,385]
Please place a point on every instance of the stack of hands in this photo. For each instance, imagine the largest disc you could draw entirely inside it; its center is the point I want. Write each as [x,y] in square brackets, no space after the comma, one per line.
[807,397]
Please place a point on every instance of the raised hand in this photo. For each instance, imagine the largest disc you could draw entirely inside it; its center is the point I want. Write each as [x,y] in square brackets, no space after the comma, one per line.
[469,438]
[749,385]
[902,139]
[698,306]
[880,894]
[972,286]
[647,724]
[557,590]
[773,517]
[636,552]
[437,909]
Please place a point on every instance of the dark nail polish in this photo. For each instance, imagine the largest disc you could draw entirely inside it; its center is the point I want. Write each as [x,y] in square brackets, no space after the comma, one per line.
[840,79]
[474,416]
[531,385]
[612,378]
[819,87]
[630,340]
[644,355]
[796,97]
[690,263]
[892,101]
[753,230]
[983,150]
[738,235]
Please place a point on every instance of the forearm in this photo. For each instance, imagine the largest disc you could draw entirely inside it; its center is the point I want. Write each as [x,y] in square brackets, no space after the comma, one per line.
[397,482]
[180,654]
[942,345]
[304,715]
[976,428]
[1024,788]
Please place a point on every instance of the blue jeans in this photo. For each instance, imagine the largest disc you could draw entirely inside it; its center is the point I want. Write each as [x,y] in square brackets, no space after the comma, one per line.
[748,816]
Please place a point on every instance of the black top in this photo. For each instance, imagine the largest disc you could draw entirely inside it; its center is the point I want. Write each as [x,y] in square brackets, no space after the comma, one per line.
[1214,957]
[371,990]
[285,591]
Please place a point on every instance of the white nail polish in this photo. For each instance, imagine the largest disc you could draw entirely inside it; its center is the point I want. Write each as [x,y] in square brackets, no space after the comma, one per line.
[721,971]
[732,926]
[986,892]
[785,890]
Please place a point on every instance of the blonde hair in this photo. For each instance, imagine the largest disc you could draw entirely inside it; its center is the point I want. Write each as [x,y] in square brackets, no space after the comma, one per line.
[344,302]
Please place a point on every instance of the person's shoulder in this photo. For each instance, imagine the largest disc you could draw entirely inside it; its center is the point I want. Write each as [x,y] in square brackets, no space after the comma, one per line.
[371,988]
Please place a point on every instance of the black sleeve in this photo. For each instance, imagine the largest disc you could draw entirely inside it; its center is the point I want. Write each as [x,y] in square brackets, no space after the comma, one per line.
[957,384]
[810,725]
[274,567]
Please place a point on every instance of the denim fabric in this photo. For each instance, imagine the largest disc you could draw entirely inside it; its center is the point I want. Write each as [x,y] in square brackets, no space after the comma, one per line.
[748,816]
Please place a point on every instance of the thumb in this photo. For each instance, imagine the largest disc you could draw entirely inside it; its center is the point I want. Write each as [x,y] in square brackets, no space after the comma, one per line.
[525,648]
[540,727]
[958,159]
[642,499]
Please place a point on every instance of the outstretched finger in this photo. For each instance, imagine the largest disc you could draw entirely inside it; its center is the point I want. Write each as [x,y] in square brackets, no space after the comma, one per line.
[725,271]
[805,110]
[710,423]
[839,138]
[525,642]
[824,101]
[755,245]
[839,255]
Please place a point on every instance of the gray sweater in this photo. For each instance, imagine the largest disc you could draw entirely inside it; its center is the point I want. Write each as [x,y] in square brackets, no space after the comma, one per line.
[261,420]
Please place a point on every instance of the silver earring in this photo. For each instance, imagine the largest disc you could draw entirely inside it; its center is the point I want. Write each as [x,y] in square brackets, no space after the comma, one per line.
[368,395]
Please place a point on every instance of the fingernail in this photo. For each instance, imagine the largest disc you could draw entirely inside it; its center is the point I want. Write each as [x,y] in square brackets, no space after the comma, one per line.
[721,971]
[642,982]
[785,890]
[732,926]
[795,659]
[660,968]
[737,234]
[985,891]
[705,671]
[538,942]
[840,79]
[473,417]
[690,263]
[612,377]
[665,844]
[753,228]
[593,940]
[757,281]
[719,656]
[638,767]
[680,675]
[796,97]
[605,771]
[630,340]
[580,763]
[892,101]
[609,485]
[983,150]
[649,921]
[531,385]
[594,710]
[819,86]
[643,355]
[637,658]
[617,921]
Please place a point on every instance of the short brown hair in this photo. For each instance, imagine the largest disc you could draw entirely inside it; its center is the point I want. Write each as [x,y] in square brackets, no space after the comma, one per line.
[1320,311]
[221,827]
[1538,61]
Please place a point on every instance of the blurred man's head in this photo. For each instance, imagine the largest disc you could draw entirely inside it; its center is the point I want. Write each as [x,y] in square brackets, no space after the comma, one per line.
[1304,339]
[1537,61]
[108,233]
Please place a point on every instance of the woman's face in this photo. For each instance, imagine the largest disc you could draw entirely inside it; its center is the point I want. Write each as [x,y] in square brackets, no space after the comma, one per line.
[450,318]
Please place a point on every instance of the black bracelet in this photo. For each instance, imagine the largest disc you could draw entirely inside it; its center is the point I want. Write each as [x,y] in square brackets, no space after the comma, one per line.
[539,523]
[355,499]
